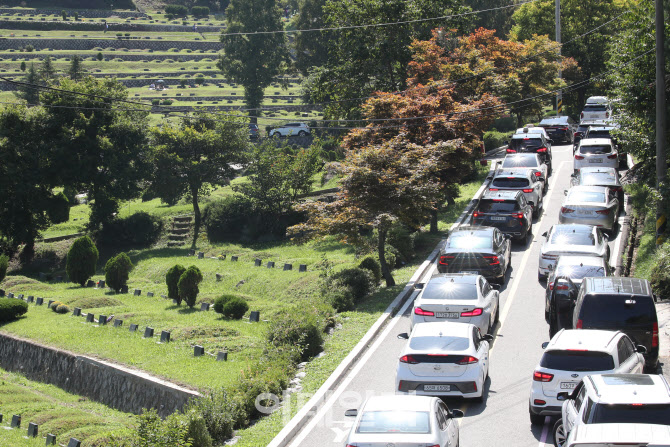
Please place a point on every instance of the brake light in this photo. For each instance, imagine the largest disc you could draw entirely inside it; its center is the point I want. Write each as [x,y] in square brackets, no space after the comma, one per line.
[576,134]
[493,189]
[559,287]
[476,214]
[473,313]
[637,405]
[579,157]
[612,156]
[542,149]
[581,115]
[494,260]
[539,402]
[424,313]
[538,173]
[518,216]
[654,336]
[617,188]
[511,151]
[579,324]
[467,360]
[603,212]
[539,376]
[408,359]
[567,210]
[564,128]
[444,260]
[527,190]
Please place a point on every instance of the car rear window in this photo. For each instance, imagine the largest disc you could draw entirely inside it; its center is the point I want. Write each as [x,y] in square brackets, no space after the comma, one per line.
[510,182]
[632,414]
[469,241]
[622,311]
[580,271]
[599,134]
[436,343]
[498,206]
[596,149]
[595,108]
[449,291]
[417,422]
[568,236]
[520,144]
[577,360]
[586,196]
[598,178]
[521,161]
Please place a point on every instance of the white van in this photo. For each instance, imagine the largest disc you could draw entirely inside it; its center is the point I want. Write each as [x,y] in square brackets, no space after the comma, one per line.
[618,435]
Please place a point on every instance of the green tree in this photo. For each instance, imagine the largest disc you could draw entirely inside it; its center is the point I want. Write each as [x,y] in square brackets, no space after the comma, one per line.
[269,51]
[76,70]
[47,69]
[197,155]
[99,56]
[117,271]
[499,20]
[58,208]
[63,14]
[311,48]
[188,285]
[4,264]
[152,431]
[30,93]
[82,259]
[23,65]
[172,281]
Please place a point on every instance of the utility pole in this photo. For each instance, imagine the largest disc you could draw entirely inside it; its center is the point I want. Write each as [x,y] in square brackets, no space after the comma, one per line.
[661,165]
[559,94]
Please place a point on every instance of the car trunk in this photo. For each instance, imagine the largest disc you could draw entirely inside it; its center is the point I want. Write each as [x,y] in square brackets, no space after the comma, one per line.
[394,439]
[467,262]
[570,366]
[453,311]
[586,209]
[438,365]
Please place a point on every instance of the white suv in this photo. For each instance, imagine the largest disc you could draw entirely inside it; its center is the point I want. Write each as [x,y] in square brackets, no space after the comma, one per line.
[613,435]
[569,356]
[614,398]
[291,130]
[596,152]
[596,108]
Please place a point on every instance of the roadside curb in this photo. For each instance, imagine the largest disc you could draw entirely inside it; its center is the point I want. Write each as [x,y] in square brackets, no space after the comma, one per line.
[308,410]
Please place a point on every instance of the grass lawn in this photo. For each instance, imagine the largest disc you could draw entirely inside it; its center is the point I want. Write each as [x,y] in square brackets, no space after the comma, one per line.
[645,258]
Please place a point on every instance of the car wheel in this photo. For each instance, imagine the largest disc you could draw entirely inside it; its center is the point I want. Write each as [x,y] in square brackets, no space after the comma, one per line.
[302,133]
[536,212]
[535,419]
[541,277]
[559,434]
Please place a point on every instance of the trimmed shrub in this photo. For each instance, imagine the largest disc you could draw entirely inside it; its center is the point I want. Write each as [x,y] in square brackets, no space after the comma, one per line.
[360,281]
[81,260]
[59,208]
[292,327]
[197,430]
[4,265]
[200,11]
[155,102]
[99,57]
[660,272]
[61,309]
[229,219]
[54,305]
[235,308]
[372,264]
[392,256]
[176,10]
[172,281]
[221,410]
[494,139]
[117,271]
[221,301]
[340,297]
[11,309]
[70,192]
[138,230]
[403,240]
[188,285]
[167,102]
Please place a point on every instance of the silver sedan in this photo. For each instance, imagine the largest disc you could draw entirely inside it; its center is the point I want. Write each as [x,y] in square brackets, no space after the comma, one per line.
[572,239]
[590,205]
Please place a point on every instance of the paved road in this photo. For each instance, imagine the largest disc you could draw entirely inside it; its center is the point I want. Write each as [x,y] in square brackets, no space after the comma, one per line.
[502,418]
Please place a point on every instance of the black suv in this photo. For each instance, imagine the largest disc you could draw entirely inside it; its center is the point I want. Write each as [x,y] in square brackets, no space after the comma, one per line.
[559,128]
[534,143]
[624,304]
[509,211]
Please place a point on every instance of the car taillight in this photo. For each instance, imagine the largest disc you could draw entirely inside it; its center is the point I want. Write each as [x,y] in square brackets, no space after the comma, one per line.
[576,134]
[494,260]
[559,287]
[444,260]
[467,360]
[539,376]
[476,214]
[518,216]
[654,336]
[408,359]
[549,256]
[563,128]
[527,190]
[511,151]
[579,157]
[542,149]
[579,324]
[567,210]
[473,313]
[607,114]
[581,115]
[603,212]
[423,313]
[493,189]
[539,402]
[612,156]
[538,173]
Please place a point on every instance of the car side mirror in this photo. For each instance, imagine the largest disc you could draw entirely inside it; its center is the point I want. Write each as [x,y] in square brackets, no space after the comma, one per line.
[487,337]
[550,140]
[507,236]
[456,414]
[606,236]
[403,336]
[641,349]
[545,344]
[496,286]
[544,234]
[551,267]
[562,396]
[419,285]
[351,412]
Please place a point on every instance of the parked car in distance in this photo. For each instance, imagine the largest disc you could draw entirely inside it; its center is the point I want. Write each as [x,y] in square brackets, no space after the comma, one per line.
[458,298]
[590,205]
[597,108]
[619,303]
[559,128]
[617,435]
[571,355]
[613,398]
[532,129]
[523,180]
[598,176]
[412,421]
[253,131]
[605,131]
[444,359]
[532,161]
[598,152]
[534,143]
[291,130]
[570,239]
[482,250]
[509,211]
[580,131]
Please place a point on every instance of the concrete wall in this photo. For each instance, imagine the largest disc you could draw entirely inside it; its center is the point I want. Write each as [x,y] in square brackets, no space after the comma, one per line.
[121,388]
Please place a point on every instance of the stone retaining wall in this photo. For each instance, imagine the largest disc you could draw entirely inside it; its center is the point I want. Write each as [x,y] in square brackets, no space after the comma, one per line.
[46,25]
[37,57]
[82,12]
[115,386]
[112,42]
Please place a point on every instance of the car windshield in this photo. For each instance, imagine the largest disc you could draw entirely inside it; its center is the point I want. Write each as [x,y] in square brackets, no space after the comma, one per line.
[570,236]
[510,182]
[580,271]
[469,241]
[599,134]
[598,178]
[416,422]
[595,108]
[521,161]
[449,290]
[596,149]
[577,361]
[498,206]
[586,196]
[520,144]
[632,414]
[620,311]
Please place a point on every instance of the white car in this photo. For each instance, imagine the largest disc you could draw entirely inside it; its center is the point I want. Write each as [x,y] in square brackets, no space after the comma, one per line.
[571,239]
[590,205]
[444,359]
[595,152]
[532,129]
[459,298]
[613,435]
[614,398]
[291,130]
[407,421]
[572,354]
[532,161]
[597,108]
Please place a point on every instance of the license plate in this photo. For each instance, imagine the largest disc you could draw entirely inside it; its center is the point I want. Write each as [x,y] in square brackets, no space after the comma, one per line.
[470,272]
[584,212]
[447,314]
[596,160]
[437,387]
[498,218]
[568,385]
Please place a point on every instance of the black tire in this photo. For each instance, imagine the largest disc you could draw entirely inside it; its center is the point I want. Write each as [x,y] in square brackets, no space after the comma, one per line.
[535,419]
[536,212]
[302,133]
[541,277]
[559,434]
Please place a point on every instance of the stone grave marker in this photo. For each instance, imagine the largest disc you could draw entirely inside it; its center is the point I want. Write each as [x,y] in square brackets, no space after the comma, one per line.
[102,320]
[148,332]
[90,317]
[233,258]
[201,255]
[150,294]
[257,262]
[219,276]
[271,264]
[74,442]
[0,417]
[39,301]
[59,278]
[20,296]
[32,430]
[302,268]
[10,295]
[133,327]
[2,293]
[198,351]
[124,289]
[191,252]
[222,356]
[118,323]
[288,267]
[174,301]
[76,312]
[137,292]
[254,316]
[90,283]
[101,284]
[204,307]
[30,298]
[164,297]
[16,421]
[50,303]
[51,439]
[165,337]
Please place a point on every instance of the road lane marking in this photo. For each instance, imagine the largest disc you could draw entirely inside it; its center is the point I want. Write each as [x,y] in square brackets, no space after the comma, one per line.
[545,432]
[617,241]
